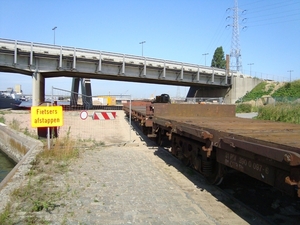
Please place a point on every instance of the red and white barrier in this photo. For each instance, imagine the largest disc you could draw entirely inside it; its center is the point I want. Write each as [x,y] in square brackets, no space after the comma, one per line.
[104,115]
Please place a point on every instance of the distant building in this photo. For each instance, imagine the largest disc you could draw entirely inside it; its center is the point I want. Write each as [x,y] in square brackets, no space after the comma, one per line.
[18,88]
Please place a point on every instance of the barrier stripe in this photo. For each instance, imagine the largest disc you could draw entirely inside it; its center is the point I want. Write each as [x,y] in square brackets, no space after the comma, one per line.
[104,115]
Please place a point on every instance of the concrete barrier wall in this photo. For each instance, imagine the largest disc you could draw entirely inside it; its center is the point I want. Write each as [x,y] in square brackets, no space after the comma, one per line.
[14,144]
[240,86]
[23,150]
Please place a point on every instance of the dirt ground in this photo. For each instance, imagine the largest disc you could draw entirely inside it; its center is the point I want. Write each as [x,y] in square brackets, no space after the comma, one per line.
[107,131]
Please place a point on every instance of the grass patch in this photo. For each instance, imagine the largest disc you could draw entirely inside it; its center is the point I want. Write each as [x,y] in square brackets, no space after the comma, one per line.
[244,108]
[289,90]
[261,89]
[15,124]
[62,149]
[41,193]
[2,119]
[5,216]
[282,112]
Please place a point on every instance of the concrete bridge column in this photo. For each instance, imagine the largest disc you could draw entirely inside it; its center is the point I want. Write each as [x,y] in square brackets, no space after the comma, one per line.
[86,90]
[75,90]
[38,89]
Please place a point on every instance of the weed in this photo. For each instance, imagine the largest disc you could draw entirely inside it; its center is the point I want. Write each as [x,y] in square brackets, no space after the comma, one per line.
[5,216]
[15,124]
[40,193]
[283,112]
[99,143]
[243,108]
[28,133]
[63,150]
[2,119]
[33,219]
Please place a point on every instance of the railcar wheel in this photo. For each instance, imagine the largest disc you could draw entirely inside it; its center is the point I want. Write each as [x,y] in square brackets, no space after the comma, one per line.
[216,177]
[159,138]
[186,161]
[175,150]
[197,163]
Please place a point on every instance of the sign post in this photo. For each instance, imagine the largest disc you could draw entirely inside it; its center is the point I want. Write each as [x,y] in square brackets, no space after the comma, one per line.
[47,116]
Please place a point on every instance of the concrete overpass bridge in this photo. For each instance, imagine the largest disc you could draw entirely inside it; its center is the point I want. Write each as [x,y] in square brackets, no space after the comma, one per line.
[43,61]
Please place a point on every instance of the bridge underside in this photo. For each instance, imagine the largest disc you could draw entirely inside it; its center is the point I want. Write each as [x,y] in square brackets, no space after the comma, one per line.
[200,90]
[208,91]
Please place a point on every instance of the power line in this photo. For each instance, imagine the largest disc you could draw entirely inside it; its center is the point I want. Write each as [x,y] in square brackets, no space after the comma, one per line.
[270,23]
[274,13]
[217,35]
[269,7]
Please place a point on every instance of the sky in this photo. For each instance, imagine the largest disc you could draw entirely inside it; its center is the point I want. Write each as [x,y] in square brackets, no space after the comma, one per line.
[187,31]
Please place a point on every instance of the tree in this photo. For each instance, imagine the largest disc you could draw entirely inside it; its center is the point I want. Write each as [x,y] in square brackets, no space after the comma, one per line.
[218,59]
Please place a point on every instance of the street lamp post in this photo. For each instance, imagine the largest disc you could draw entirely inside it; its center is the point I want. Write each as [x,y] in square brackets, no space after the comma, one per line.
[290,71]
[205,54]
[54,28]
[250,64]
[142,43]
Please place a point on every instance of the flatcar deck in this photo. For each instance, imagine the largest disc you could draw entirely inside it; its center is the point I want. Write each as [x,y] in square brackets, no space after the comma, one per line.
[267,132]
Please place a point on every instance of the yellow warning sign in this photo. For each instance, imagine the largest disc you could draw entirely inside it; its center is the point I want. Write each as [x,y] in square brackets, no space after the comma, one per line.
[46,116]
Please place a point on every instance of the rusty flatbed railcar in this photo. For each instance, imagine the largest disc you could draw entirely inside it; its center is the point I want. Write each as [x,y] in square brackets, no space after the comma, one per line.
[142,112]
[211,139]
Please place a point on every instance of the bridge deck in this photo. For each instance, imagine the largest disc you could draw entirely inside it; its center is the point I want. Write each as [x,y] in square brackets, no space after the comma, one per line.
[52,61]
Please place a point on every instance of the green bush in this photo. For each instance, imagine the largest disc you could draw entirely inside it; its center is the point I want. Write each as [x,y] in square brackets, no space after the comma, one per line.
[290,90]
[243,108]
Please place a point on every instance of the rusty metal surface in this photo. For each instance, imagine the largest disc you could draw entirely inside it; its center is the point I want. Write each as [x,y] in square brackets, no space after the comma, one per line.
[242,163]
[194,110]
[194,118]
[277,134]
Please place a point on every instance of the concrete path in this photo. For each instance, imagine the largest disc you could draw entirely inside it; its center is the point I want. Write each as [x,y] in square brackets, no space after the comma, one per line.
[139,185]
[247,115]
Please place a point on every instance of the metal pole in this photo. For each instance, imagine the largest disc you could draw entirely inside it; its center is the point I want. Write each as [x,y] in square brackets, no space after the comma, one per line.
[290,74]
[205,54]
[250,64]
[48,134]
[130,118]
[142,43]
[54,28]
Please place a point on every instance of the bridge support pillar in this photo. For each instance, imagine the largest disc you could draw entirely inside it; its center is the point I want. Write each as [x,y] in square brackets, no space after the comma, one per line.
[38,89]
[86,93]
[75,90]
[86,90]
